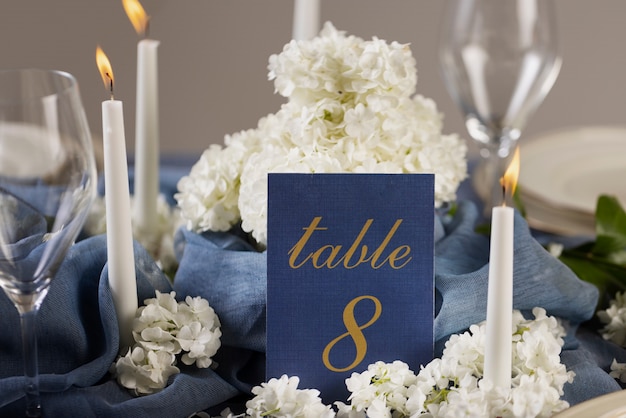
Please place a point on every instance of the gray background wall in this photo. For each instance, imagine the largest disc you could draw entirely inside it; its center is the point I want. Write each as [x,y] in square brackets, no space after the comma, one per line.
[214,53]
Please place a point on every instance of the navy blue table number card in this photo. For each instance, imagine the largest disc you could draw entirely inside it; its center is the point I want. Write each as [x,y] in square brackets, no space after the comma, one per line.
[350,275]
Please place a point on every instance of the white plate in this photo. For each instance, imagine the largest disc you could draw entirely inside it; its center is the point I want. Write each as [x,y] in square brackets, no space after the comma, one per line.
[612,405]
[564,172]
[557,220]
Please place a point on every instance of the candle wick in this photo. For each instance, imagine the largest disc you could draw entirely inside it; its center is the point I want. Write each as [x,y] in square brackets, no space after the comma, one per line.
[110,84]
[503,192]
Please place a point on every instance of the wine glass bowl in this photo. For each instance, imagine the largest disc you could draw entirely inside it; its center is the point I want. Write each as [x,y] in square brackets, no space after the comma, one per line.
[47,183]
[499,60]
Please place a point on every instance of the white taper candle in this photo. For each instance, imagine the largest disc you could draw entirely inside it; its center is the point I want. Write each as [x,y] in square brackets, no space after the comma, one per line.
[498,346]
[306,19]
[120,254]
[146,186]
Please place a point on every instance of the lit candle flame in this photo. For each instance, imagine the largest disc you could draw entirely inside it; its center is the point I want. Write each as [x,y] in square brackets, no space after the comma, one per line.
[137,15]
[509,180]
[106,71]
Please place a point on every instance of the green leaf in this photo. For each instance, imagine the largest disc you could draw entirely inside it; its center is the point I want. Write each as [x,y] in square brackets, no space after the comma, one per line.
[608,278]
[610,229]
[483,229]
[602,262]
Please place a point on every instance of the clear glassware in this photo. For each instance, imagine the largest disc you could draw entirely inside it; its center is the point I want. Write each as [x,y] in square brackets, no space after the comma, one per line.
[47,183]
[499,60]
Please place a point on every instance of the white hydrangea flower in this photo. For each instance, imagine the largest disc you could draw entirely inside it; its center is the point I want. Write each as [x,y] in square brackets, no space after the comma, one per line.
[199,344]
[253,196]
[380,390]
[282,398]
[208,196]
[145,371]
[618,371]
[226,413]
[351,108]
[336,65]
[163,329]
[155,326]
[198,309]
[199,335]
[453,385]
[555,249]
[614,320]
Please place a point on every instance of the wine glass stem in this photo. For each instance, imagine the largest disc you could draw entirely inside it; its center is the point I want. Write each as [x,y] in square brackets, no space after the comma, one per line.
[490,171]
[31,365]
[497,171]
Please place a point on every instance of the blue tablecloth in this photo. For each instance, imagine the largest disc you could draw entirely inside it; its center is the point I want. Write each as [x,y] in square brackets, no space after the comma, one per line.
[78,336]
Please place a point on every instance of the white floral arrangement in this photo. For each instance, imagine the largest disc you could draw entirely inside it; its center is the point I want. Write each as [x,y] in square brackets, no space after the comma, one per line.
[614,329]
[282,398]
[351,108]
[452,386]
[166,331]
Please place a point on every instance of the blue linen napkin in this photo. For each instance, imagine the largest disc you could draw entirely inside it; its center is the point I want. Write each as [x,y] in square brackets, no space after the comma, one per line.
[78,336]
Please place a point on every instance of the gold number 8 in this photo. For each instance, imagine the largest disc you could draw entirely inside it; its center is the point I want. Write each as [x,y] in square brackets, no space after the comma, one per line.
[354,331]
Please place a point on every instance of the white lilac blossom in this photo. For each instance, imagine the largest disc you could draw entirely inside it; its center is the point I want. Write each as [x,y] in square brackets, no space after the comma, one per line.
[614,329]
[159,242]
[451,386]
[614,320]
[145,371]
[380,390]
[352,107]
[618,371]
[555,249]
[164,331]
[281,397]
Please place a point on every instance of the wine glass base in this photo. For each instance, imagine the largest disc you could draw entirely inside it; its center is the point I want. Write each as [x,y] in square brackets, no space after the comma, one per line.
[34,412]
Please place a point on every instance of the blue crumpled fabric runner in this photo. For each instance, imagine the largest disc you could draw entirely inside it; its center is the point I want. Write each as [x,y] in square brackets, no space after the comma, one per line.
[78,342]
[78,339]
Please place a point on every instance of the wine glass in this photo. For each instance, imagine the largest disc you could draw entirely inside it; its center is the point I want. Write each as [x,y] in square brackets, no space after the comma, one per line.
[499,60]
[47,183]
